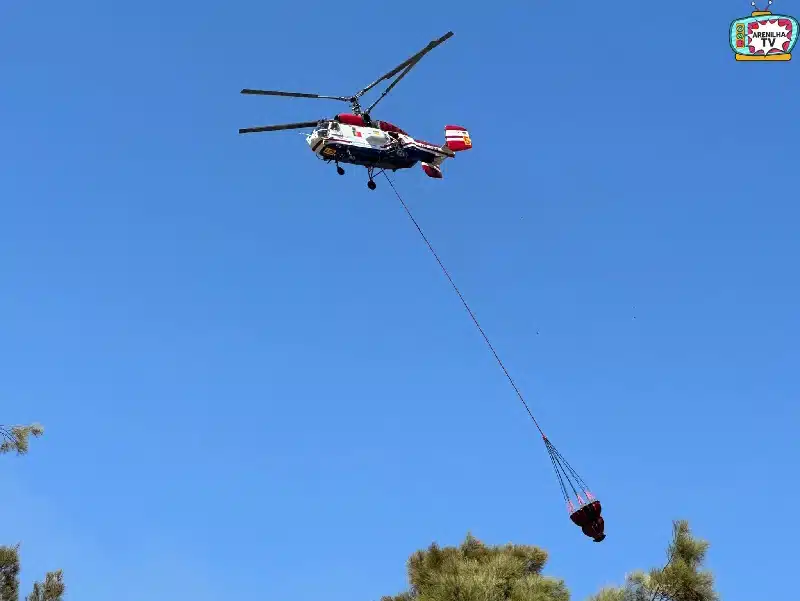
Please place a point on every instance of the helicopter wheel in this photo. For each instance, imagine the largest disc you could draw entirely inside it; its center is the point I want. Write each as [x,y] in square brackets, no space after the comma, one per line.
[371,185]
[339,170]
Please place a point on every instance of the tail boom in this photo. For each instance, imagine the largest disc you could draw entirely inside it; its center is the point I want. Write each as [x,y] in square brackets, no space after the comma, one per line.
[456,140]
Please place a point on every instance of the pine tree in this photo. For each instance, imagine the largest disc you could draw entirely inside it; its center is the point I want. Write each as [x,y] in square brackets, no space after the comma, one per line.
[477,572]
[681,579]
[15,438]
[52,589]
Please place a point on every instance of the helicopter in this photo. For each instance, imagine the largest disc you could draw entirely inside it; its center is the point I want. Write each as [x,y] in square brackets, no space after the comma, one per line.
[356,138]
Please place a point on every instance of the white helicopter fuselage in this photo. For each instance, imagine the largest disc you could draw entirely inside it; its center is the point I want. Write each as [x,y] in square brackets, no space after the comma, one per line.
[373,147]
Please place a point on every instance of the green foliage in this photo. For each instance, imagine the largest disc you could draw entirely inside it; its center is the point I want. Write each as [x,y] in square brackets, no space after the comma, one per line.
[52,589]
[9,573]
[681,579]
[16,438]
[477,572]
[610,594]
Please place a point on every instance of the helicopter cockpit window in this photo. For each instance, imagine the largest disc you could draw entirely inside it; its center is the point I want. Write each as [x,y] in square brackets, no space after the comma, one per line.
[334,126]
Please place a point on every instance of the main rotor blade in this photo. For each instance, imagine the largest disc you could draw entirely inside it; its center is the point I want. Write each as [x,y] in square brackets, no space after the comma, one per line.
[292,94]
[410,62]
[251,130]
[389,89]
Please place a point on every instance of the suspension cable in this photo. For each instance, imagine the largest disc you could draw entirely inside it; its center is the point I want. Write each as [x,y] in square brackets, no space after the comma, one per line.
[466,306]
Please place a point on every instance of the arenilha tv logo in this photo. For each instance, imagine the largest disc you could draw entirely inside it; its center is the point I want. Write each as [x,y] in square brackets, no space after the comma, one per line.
[763,36]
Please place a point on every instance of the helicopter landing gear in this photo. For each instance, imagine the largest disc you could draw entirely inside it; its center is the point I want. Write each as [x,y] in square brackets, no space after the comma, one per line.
[371,183]
[339,170]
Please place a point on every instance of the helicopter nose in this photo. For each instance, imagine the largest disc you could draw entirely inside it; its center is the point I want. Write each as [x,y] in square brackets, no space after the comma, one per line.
[316,142]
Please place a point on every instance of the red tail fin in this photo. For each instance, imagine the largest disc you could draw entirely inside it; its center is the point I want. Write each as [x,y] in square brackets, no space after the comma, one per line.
[457,138]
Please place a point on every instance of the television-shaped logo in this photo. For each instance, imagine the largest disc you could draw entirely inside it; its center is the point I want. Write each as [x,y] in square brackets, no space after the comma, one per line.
[763,36]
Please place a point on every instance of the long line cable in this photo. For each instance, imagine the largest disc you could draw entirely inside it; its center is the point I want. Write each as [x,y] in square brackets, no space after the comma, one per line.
[466,306]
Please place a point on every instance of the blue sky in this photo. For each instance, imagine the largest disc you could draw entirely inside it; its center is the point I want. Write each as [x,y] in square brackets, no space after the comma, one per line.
[255,380]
